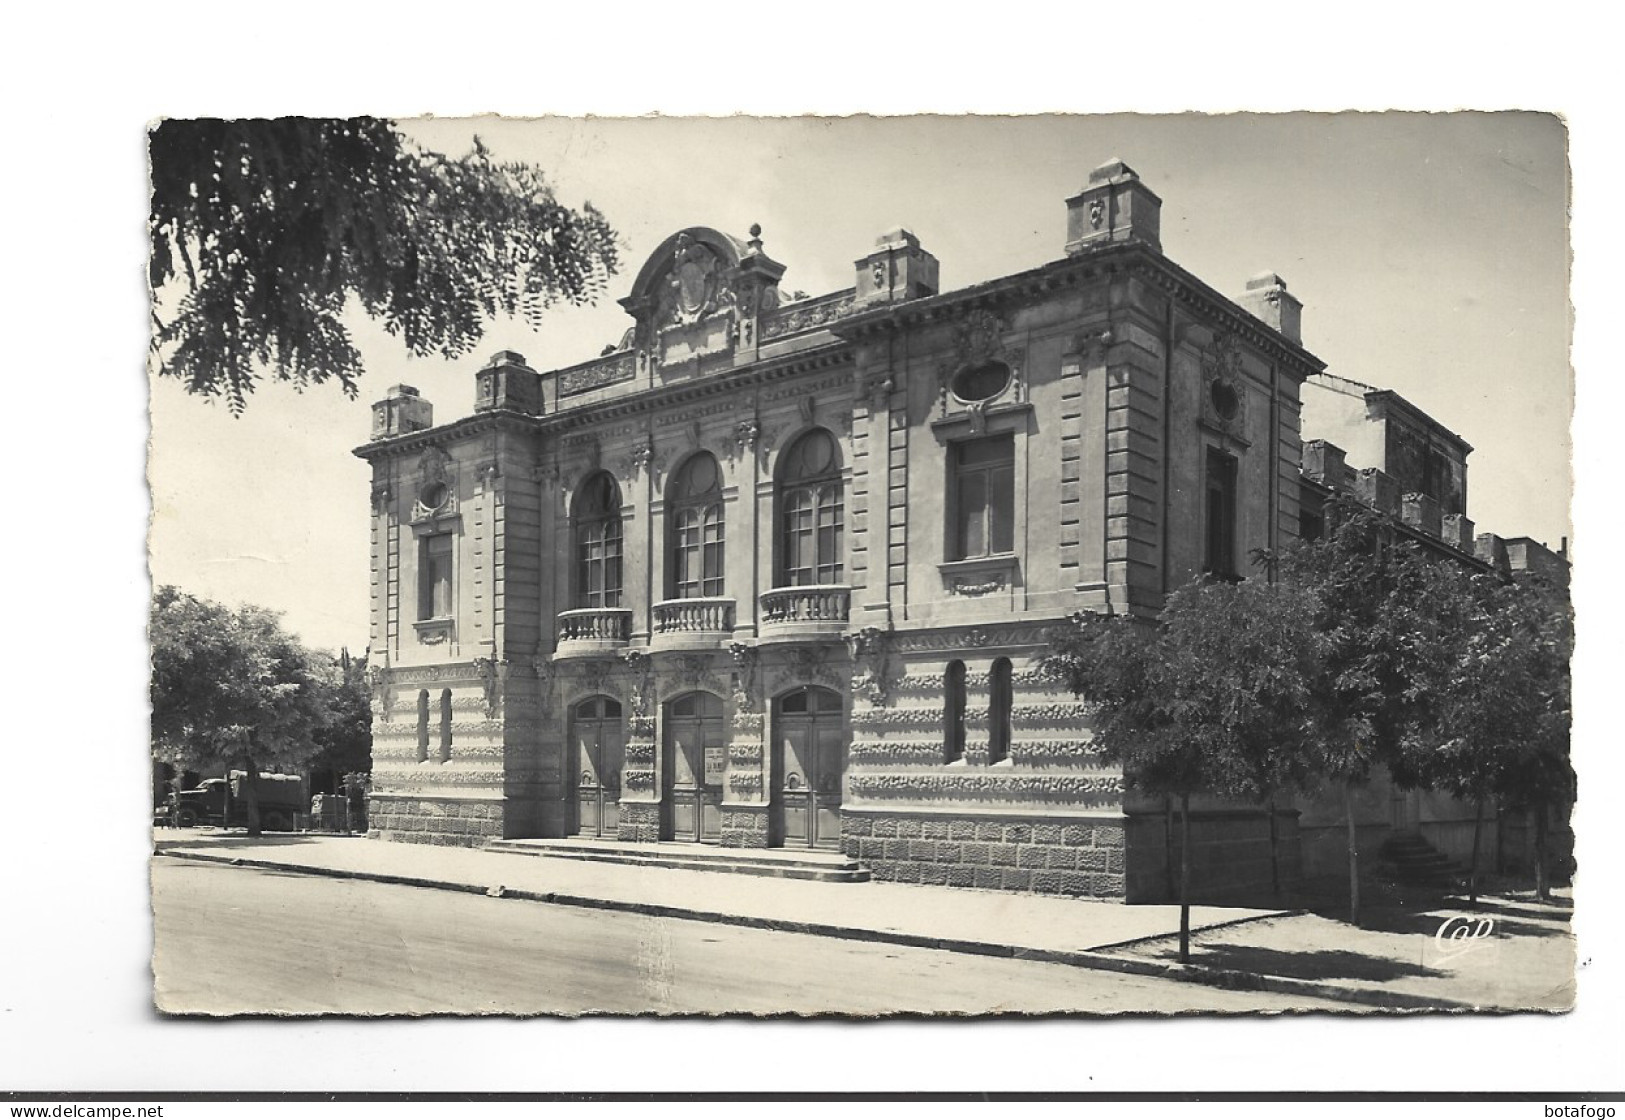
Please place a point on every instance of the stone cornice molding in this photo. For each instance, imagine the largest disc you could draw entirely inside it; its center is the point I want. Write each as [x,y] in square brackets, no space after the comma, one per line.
[1129,258]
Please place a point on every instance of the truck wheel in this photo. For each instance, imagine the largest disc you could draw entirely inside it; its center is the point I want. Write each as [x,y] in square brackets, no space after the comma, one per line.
[275,822]
[186,818]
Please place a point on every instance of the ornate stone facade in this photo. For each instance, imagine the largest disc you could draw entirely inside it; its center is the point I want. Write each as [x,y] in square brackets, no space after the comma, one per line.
[783,576]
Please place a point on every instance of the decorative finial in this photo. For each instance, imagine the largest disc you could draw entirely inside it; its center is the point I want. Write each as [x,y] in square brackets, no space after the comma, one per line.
[756,236]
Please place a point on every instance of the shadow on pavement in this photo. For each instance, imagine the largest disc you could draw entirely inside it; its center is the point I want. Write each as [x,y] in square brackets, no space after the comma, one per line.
[1316,964]
[183,837]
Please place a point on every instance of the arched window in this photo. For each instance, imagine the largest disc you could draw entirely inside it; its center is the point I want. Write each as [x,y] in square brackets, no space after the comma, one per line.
[998,711]
[953,712]
[445,725]
[696,529]
[423,725]
[811,514]
[598,542]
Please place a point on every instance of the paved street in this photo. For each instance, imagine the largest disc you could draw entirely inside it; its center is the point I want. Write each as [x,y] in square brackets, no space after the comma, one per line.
[232,940]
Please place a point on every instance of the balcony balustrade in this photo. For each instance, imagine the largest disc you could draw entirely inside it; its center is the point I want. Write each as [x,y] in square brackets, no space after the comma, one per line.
[593,630]
[688,622]
[816,610]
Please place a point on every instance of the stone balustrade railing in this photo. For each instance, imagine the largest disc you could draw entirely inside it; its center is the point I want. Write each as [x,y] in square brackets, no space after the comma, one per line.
[599,625]
[812,603]
[694,616]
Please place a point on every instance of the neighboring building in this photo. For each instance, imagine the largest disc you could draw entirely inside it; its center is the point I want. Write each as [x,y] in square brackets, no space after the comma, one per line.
[1374,445]
[779,573]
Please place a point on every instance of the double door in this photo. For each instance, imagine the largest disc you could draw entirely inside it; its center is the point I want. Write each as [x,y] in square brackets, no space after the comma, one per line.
[600,739]
[808,755]
[695,757]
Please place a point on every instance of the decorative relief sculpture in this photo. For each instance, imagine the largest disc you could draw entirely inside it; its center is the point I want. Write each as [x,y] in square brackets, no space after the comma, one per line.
[378,681]
[805,317]
[494,675]
[584,379]
[868,649]
[545,678]
[1092,343]
[973,589]
[746,433]
[807,664]
[1224,394]
[744,677]
[983,371]
[639,668]
[697,285]
[635,461]
[436,495]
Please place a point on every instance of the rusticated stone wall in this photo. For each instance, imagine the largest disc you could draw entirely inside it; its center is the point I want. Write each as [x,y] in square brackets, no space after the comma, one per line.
[1083,857]
[414,818]
[640,822]
[744,827]
[1230,855]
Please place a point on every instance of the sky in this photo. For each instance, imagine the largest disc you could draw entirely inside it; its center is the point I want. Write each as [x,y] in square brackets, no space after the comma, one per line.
[1430,252]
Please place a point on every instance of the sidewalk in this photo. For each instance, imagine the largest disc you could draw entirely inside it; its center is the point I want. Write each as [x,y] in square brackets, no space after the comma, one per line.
[1132,939]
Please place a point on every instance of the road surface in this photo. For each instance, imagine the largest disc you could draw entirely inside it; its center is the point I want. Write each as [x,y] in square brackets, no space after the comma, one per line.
[231,940]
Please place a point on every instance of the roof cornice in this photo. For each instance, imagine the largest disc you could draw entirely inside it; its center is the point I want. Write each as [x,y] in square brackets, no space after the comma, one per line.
[1126,257]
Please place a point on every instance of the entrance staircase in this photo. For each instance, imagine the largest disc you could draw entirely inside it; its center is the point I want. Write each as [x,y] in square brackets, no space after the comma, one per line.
[1408,858]
[778,863]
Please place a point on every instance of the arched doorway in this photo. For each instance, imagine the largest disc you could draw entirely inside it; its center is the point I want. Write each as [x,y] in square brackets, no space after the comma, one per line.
[692,764]
[600,737]
[808,758]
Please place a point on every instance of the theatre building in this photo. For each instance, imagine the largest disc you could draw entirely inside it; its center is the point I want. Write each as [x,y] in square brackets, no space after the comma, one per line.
[778,574]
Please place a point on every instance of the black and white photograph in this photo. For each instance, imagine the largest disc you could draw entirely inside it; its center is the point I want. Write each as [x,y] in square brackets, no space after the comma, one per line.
[971,566]
[811,556]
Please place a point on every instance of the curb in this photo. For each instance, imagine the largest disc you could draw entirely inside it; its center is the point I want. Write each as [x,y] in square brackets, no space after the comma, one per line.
[1230,979]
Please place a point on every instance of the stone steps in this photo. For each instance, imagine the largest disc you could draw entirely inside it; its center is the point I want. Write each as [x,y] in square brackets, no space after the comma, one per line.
[778,863]
[1413,860]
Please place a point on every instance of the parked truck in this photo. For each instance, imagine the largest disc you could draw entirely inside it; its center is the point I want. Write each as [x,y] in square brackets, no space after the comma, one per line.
[224,804]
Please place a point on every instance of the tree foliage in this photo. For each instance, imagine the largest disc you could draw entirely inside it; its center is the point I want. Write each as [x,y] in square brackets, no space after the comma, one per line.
[1363,653]
[265,231]
[1213,698]
[234,689]
[345,741]
[1384,612]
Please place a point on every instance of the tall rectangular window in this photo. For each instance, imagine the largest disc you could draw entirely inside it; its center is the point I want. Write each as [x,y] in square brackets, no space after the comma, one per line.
[1219,553]
[434,577]
[984,497]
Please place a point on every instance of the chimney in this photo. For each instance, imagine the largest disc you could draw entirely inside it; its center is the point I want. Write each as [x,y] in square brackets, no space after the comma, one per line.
[507,382]
[1458,531]
[1267,298]
[401,411]
[1493,551]
[1113,206]
[898,269]
[1377,490]
[1420,512]
[1324,462]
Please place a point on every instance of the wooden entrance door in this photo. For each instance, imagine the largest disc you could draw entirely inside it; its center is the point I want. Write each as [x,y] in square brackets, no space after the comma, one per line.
[695,755]
[808,759]
[600,739]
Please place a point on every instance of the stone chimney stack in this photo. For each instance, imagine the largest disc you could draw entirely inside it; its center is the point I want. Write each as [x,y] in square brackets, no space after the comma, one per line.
[507,382]
[898,269]
[1113,206]
[1267,298]
[401,411]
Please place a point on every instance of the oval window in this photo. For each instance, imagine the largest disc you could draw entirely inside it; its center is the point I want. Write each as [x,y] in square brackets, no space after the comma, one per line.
[1225,401]
[433,496]
[983,382]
